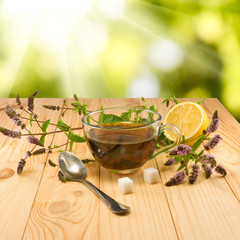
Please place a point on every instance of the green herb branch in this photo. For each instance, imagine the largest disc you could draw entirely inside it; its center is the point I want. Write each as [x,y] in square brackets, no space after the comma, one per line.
[184,155]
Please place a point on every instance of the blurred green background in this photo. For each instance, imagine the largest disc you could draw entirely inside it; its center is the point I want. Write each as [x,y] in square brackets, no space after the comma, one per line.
[121,48]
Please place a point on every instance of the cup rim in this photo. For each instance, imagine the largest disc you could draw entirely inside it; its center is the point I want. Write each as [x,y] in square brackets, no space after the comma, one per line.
[117,128]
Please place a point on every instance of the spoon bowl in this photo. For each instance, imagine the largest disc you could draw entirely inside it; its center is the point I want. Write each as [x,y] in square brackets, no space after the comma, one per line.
[71,166]
[74,169]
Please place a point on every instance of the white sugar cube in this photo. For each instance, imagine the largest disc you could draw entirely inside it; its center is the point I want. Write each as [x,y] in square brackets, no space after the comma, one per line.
[125,185]
[150,175]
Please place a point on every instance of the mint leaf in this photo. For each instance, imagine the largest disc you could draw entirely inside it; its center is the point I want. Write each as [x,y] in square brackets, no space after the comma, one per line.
[153,108]
[143,120]
[42,138]
[183,139]
[76,104]
[197,144]
[62,126]
[75,97]
[88,119]
[45,125]
[52,163]
[109,118]
[177,159]
[31,119]
[74,137]
[175,100]
[126,116]
[84,108]
[71,146]
[181,167]
[143,99]
[200,101]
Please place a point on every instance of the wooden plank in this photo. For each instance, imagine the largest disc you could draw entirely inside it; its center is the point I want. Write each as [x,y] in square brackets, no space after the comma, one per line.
[150,217]
[17,193]
[206,210]
[5,121]
[228,150]
[66,210]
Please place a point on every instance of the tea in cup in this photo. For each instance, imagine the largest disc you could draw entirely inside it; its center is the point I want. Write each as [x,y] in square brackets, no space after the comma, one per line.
[123,139]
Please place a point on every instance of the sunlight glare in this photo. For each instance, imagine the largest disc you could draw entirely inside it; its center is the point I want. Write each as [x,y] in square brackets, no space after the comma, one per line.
[145,84]
[92,38]
[111,8]
[165,55]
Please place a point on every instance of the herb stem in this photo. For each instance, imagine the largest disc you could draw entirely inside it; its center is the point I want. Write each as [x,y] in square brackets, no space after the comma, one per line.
[38,121]
[67,108]
[26,111]
[59,145]
[35,134]
[31,151]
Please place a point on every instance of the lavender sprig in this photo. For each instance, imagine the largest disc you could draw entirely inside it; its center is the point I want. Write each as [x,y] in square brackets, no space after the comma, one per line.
[18,100]
[20,166]
[52,107]
[14,116]
[181,150]
[214,124]
[177,179]
[208,170]
[10,133]
[208,159]
[169,162]
[221,170]
[39,151]
[194,174]
[212,143]
[34,140]
[31,101]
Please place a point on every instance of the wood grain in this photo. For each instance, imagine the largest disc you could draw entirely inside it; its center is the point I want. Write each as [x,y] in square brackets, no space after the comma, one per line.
[70,210]
[206,210]
[17,193]
[37,205]
[150,217]
[228,150]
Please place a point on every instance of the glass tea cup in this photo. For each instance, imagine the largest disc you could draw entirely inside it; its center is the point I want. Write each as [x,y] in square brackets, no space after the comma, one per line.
[123,139]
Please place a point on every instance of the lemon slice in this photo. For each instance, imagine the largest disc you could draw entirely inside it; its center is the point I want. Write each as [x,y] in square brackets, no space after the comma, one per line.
[190,118]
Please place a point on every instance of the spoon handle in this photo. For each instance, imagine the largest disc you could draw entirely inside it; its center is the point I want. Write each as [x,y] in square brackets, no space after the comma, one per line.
[113,205]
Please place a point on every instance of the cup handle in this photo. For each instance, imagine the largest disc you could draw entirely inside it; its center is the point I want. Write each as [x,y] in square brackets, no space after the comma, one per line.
[177,141]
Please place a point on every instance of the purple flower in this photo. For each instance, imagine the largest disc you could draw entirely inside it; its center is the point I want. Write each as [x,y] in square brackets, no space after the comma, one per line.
[30,101]
[35,116]
[194,174]
[169,162]
[34,140]
[10,112]
[20,166]
[39,151]
[14,116]
[18,100]
[208,159]
[221,170]
[28,154]
[177,179]
[181,150]
[212,142]
[208,170]
[52,107]
[10,133]
[214,124]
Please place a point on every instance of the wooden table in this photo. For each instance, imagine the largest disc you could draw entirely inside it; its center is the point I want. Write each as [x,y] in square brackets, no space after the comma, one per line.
[36,205]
